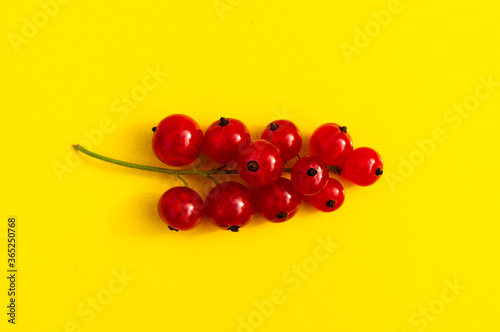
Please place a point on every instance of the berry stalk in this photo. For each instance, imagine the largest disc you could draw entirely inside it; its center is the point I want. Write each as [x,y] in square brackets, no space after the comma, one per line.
[174,172]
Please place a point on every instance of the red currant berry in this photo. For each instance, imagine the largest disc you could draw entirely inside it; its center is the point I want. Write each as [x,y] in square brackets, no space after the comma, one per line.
[309,175]
[225,139]
[229,205]
[278,201]
[285,136]
[331,143]
[177,140]
[260,163]
[181,208]
[363,167]
[330,198]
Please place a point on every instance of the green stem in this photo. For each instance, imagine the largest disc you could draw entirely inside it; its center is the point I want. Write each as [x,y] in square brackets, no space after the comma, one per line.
[173,172]
[183,181]
[213,179]
[201,161]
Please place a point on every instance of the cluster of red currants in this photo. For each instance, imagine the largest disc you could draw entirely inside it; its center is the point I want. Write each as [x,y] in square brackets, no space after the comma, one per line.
[179,141]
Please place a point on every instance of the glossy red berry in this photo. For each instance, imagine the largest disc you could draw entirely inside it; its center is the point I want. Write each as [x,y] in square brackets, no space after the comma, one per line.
[260,163]
[229,205]
[278,201]
[285,136]
[363,167]
[309,175]
[177,140]
[331,143]
[225,139]
[181,208]
[330,198]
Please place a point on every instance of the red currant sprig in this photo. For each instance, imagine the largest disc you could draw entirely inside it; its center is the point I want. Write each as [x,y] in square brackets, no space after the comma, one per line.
[179,141]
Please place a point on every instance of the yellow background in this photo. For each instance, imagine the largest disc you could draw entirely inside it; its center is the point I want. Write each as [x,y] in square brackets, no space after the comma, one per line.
[401,242]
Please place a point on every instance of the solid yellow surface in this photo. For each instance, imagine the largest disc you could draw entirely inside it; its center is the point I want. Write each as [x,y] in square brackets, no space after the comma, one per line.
[418,81]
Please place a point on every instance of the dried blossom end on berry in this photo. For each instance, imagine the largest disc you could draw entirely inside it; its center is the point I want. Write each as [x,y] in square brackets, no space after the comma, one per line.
[234,228]
[312,172]
[282,215]
[223,122]
[253,166]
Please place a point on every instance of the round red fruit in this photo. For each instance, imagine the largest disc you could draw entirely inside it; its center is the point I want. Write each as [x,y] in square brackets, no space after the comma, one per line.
[363,167]
[331,143]
[278,201]
[330,198]
[260,163]
[229,205]
[177,140]
[285,136]
[181,208]
[225,139]
[309,175]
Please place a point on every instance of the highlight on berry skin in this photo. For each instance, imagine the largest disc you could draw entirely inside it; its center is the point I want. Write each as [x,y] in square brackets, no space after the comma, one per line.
[275,192]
